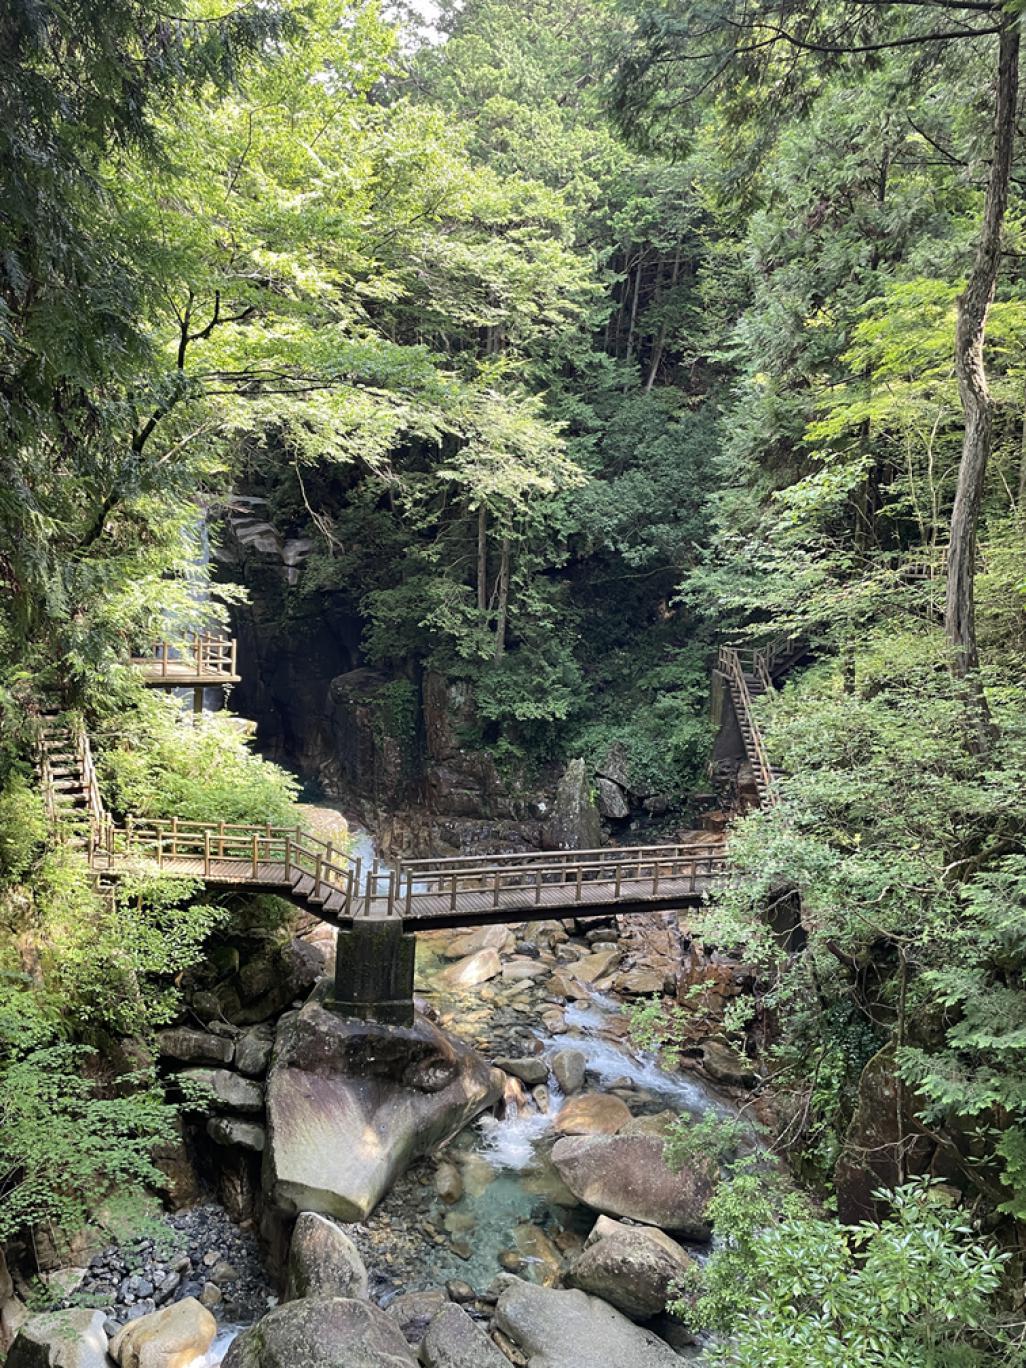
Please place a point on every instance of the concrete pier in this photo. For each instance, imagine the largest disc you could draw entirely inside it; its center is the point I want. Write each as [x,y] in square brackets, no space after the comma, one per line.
[374,972]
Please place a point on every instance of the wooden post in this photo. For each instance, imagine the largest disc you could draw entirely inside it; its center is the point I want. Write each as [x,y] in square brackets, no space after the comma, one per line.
[495,891]
[317,877]
[234,654]
[288,858]
[655,876]
[160,848]
[577,894]
[616,884]
[452,898]
[163,658]
[256,855]
[174,837]
[409,894]
[220,841]
[537,887]
[371,881]
[206,853]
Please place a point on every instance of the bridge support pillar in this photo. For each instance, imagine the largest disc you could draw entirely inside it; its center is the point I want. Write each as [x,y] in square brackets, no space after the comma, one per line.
[374,972]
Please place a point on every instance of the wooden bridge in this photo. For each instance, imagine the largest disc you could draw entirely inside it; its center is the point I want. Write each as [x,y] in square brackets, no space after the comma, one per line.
[378,910]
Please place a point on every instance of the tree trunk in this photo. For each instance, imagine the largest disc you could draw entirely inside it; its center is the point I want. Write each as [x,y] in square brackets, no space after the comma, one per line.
[977,403]
[634,307]
[482,558]
[657,350]
[503,606]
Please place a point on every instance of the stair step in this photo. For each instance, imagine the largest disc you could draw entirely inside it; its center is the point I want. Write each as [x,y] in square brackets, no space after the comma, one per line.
[303,885]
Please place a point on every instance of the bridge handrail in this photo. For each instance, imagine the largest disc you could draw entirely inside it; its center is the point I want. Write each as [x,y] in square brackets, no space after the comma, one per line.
[163,842]
[406,885]
[441,862]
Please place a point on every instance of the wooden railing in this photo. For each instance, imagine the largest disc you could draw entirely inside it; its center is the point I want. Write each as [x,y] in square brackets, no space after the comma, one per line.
[637,871]
[94,799]
[174,841]
[729,663]
[206,655]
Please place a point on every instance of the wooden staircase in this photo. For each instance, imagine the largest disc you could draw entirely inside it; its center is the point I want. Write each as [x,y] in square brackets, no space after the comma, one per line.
[752,673]
[67,779]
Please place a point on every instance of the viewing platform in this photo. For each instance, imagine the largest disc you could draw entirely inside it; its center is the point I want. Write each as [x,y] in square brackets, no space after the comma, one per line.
[205,662]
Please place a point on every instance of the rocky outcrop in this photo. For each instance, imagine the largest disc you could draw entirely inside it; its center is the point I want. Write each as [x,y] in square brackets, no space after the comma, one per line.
[453,1340]
[170,1338]
[322,1332]
[634,1268]
[323,1261]
[626,1175]
[351,1103]
[574,822]
[61,1339]
[569,1329]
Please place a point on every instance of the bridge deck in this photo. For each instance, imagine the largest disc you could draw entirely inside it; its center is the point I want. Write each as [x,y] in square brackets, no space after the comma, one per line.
[476,893]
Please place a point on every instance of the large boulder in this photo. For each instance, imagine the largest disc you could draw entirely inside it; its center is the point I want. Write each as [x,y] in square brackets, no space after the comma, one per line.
[591,1114]
[632,1267]
[194,1047]
[228,1089]
[453,1340]
[481,938]
[170,1338]
[557,1329]
[323,1261]
[351,1103]
[322,1332]
[61,1339]
[626,1175]
[477,968]
[574,823]
[568,1068]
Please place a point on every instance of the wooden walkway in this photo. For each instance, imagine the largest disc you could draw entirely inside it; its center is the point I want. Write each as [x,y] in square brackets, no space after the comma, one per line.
[421,894]
[414,894]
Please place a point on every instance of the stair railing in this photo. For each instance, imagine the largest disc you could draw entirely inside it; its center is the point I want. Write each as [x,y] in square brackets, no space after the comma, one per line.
[729,664]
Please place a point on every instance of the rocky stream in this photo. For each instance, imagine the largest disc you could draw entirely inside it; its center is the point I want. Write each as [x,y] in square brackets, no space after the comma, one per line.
[485,1188]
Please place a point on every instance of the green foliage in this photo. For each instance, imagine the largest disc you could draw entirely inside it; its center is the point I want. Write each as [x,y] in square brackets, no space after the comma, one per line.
[67,1141]
[23,828]
[789,1288]
[162,765]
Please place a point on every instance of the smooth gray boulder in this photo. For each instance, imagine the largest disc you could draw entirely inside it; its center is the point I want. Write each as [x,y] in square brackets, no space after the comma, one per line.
[323,1261]
[61,1339]
[626,1175]
[322,1332]
[351,1103]
[633,1268]
[229,1089]
[453,1340]
[558,1329]
[568,1069]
